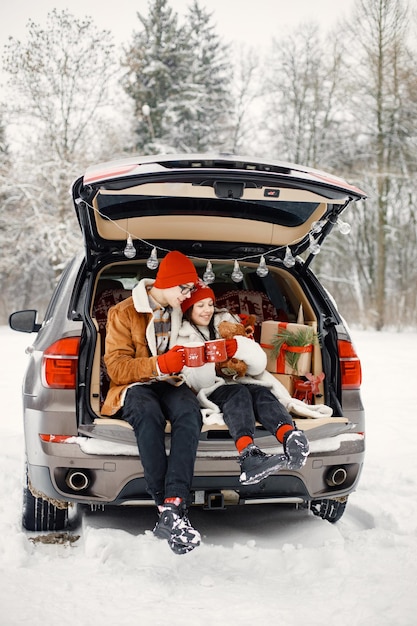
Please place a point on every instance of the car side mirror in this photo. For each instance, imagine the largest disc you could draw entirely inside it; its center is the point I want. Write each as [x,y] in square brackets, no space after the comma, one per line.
[24,321]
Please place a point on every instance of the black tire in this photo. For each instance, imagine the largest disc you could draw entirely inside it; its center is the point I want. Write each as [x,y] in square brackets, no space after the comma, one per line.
[330,510]
[41,515]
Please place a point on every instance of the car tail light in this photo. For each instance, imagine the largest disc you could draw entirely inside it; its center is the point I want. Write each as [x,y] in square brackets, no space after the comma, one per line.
[55,438]
[350,365]
[60,361]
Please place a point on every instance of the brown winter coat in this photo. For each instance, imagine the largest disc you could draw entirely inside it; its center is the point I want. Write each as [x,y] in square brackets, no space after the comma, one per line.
[130,354]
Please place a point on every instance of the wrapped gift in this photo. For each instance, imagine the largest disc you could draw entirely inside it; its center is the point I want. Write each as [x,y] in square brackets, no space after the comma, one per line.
[287,380]
[283,361]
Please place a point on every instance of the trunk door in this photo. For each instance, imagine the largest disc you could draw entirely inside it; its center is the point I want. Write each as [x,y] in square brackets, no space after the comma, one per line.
[208,199]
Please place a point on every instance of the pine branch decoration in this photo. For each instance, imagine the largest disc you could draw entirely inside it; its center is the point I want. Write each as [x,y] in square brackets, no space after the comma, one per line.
[300,338]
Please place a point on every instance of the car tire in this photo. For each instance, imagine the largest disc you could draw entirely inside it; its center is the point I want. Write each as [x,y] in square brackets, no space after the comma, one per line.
[39,514]
[330,510]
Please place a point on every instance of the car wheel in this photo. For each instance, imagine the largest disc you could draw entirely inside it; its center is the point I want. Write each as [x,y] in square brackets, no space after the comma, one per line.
[42,515]
[330,510]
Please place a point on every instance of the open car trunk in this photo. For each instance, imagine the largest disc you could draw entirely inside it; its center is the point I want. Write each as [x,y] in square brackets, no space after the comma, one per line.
[276,298]
[227,209]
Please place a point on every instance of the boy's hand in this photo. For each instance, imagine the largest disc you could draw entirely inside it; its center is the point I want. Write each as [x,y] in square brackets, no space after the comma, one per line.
[172,361]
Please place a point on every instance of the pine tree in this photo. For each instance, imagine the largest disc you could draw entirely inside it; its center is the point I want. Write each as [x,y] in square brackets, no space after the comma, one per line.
[204,111]
[179,77]
[156,74]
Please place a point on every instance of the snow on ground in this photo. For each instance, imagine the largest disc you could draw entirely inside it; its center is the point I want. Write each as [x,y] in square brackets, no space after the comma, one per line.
[256,565]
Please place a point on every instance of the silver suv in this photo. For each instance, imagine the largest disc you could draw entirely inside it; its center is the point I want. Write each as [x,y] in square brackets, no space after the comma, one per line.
[251,228]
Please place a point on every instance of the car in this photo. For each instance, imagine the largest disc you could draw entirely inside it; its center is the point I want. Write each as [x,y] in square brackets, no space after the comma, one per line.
[252,228]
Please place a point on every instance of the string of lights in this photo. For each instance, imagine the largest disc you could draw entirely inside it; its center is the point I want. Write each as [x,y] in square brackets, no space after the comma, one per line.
[236,275]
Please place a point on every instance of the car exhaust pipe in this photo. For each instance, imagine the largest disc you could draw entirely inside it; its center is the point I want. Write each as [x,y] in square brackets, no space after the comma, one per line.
[336,476]
[78,480]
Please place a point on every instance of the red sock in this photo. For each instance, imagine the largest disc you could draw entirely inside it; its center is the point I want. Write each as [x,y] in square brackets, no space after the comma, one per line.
[177,501]
[282,431]
[243,443]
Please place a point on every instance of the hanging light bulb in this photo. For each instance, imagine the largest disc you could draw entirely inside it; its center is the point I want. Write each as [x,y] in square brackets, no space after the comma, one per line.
[236,275]
[262,269]
[209,276]
[152,263]
[317,227]
[343,227]
[130,250]
[314,247]
[289,260]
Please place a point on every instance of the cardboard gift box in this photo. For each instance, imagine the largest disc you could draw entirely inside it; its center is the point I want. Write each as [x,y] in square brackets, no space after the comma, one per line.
[281,363]
[287,380]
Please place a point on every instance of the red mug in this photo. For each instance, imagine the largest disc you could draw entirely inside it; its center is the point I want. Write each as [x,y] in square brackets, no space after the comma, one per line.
[194,354]
[215,351]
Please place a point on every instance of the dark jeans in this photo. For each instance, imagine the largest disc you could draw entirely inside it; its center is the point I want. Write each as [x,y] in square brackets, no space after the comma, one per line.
[242,405]
[147,408]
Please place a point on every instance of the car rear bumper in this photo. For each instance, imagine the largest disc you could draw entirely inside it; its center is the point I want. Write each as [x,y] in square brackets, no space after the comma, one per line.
[67,472]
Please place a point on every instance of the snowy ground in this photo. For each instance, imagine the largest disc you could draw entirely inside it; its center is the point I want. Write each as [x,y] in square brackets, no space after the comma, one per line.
[258,565]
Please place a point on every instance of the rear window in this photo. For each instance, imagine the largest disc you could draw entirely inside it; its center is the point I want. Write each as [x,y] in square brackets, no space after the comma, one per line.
[276,211]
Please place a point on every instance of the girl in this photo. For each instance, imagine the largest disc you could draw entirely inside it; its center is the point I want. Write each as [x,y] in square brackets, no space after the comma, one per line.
[243,401]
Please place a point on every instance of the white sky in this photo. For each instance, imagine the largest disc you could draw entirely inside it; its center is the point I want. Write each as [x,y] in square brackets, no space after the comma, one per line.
[250,21]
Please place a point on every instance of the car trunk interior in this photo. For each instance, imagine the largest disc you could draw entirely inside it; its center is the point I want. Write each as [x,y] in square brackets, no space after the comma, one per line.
[276,297]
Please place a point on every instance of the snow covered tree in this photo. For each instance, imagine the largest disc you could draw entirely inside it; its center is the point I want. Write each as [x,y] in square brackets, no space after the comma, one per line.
[247,119]
[60,81]
[61,78]
[179,78]
[383,112]
[7,196]
[203,111]
[155,75]
[347,104]
[303,91]
[4,149]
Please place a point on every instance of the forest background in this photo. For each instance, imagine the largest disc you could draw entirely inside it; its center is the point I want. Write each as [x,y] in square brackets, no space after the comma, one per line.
[342,99]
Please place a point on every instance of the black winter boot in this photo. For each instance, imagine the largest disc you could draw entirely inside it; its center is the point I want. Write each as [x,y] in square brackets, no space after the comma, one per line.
[255,465]
[296,448]
[174,526]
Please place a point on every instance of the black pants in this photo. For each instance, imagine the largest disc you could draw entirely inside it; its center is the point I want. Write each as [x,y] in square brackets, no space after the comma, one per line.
[243,405]
[147,408]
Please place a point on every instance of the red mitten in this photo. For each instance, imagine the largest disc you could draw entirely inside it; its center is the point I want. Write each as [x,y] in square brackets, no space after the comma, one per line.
[231,347]
[171,361]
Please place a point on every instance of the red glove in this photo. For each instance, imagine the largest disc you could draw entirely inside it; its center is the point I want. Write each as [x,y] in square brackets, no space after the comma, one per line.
[171,361]
[231,347]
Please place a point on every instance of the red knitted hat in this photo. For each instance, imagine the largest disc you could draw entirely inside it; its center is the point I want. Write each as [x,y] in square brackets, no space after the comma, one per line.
[175,269]
[200,293]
